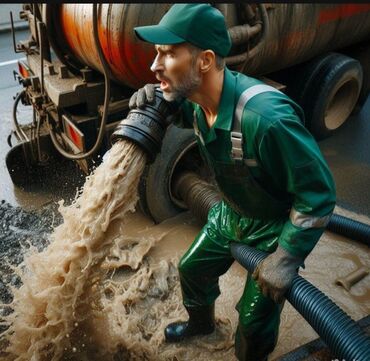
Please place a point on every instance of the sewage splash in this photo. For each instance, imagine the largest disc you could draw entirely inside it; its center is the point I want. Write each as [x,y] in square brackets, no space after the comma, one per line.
[98,292]
[60,283]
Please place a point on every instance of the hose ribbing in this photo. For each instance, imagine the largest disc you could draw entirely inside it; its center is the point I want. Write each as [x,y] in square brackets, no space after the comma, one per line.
[349,228]
[344,337]
[199,195]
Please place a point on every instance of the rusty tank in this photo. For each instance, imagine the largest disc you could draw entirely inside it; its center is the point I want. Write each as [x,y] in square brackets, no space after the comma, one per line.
[283,34]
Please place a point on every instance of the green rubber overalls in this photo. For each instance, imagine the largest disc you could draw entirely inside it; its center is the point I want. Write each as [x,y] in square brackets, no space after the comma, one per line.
[276,188]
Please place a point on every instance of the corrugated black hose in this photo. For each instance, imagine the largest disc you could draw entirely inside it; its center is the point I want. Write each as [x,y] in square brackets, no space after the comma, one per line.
[343,336]
[349,228]
[344,226]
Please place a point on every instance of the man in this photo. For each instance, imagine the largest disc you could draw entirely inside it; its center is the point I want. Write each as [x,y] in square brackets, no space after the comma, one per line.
[278,192]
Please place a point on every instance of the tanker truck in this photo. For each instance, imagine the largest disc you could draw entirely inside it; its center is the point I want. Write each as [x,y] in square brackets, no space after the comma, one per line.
[83,62]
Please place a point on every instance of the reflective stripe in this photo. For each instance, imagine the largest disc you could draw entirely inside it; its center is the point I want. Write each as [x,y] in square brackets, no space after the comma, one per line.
[236,135]
[248,94]
[306,221]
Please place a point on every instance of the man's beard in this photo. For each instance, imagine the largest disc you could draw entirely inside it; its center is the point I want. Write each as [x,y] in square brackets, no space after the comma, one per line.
[184,87]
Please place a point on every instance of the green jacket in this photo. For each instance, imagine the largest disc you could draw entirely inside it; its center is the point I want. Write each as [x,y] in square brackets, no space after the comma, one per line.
[281,156]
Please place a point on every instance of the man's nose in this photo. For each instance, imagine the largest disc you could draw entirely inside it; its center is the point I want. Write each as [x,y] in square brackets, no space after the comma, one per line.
[156,65]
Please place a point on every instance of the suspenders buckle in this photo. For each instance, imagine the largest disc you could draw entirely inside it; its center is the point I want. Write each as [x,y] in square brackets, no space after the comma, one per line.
[236,145]
[236,135]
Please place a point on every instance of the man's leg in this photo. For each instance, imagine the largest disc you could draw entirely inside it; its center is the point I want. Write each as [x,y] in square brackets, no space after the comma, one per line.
[259,319]
[208,258]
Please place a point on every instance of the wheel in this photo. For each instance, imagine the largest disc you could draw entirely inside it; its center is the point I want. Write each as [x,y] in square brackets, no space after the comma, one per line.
[179,153]
[361,52]
[329,88]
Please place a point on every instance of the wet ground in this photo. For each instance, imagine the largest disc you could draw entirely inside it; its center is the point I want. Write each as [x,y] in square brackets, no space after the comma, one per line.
[19,231]
[27,216]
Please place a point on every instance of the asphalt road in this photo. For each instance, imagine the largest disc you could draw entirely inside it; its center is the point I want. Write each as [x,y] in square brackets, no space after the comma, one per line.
[347,152]
[8,89]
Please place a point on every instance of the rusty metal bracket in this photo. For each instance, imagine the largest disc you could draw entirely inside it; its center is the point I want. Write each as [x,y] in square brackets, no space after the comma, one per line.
[16,50]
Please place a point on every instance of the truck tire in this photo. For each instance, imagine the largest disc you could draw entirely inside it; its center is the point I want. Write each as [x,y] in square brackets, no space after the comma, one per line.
[179,153]
[329,92]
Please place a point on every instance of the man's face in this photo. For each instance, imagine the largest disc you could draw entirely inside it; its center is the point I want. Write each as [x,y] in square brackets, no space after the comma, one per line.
[177,71]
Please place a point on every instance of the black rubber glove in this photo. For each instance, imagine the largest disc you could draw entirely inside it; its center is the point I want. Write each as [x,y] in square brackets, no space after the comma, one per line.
[275,273]
[143,96]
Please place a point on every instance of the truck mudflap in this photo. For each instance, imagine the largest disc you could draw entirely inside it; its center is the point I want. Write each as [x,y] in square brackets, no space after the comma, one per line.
[23,167]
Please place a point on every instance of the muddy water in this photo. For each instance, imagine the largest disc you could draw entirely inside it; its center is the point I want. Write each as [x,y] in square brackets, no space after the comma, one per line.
[141,299]
[107,285]
[333,257]
[59,284]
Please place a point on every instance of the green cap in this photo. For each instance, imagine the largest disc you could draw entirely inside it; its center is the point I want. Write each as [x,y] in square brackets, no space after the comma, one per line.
[199,24]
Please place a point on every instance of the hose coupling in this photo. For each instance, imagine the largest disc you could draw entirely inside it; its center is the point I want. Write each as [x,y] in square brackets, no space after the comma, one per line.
[147,126]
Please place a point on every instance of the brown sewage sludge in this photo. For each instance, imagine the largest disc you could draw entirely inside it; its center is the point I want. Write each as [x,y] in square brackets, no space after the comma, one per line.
[69,307]
[107,285]
[57,289]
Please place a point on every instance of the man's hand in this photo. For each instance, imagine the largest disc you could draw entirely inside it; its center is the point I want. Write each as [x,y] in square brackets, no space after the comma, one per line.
[143,96]
[275,273]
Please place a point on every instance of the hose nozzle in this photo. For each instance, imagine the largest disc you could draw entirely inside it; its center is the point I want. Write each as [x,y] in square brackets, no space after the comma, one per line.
[146,127]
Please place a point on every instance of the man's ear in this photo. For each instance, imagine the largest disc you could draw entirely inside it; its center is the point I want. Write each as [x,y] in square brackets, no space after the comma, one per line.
[207,60]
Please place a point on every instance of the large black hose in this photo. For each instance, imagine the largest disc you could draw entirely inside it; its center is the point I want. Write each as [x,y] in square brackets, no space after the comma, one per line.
[349,228]
[199,195]
[344,226]
[344,337]
[146,127]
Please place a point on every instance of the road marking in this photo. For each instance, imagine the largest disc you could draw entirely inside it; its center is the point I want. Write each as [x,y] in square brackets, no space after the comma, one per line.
[4,63]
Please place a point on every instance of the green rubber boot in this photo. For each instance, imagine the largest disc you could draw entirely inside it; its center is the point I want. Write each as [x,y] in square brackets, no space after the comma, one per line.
[201,322]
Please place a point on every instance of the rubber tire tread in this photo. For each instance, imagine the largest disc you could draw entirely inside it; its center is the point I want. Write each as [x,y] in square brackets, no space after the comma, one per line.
[313,97]
[155,200]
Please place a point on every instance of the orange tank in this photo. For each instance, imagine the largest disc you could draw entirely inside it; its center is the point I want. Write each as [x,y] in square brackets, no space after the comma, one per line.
[296,32]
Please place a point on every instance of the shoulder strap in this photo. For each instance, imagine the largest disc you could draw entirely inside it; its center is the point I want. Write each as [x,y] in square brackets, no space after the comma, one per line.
[236,134]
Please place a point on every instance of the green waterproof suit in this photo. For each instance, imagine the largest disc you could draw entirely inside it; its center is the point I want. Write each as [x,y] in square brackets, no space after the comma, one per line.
[277,189]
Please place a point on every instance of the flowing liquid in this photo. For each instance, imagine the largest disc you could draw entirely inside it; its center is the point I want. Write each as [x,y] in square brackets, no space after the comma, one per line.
[97,292]
[61,284]
[107,285]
